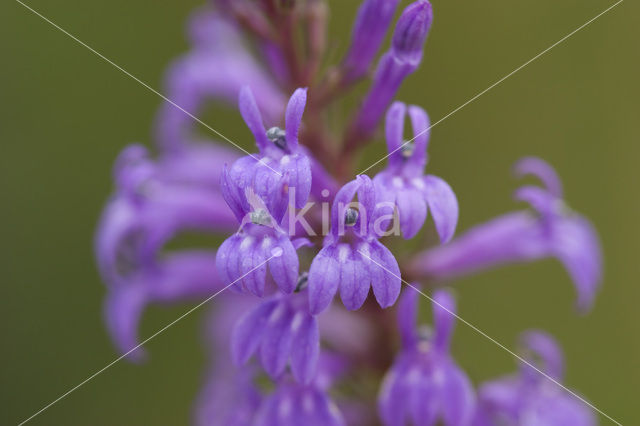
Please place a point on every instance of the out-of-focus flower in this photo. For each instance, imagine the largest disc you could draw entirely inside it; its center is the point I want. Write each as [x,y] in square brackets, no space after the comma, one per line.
[369,29]
[152,203]
[402,59]
[282,329]
[352,259]
[216,68]
[403,182]
[552,231]
[425,384]
[529,398]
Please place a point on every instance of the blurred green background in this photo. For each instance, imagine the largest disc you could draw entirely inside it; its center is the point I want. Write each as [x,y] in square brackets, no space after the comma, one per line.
[65,114]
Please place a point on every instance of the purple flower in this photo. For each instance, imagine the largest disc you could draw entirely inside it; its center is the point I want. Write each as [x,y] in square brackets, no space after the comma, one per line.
[153,202]
[553,230]
[394,66]
[280,152]
[529,398]
[424,383]
[369,29]
[293,404]
[403,182]
[243,258]
[217,67]
[352,259]
[282,329]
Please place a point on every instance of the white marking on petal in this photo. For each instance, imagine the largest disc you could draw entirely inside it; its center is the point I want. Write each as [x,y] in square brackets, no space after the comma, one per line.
[246,243]
[285,407]
[418,183]
[343,253]
[285,160]
[277,314]
[297,321]
[397,182]
[307,403]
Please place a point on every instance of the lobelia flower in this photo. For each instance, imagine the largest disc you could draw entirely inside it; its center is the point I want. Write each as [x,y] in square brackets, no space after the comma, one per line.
[217,67]
[283,329]
[293,403]
[402,59]
[153,202]
[352,259]
[553,231]
[529,398]
[425,384]
[403,182]
[280,152]
[369,29]
[242,259]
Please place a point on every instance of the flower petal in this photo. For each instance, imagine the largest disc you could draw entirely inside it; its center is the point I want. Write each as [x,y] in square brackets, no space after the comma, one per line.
[394,131]
[412,212]
[123,308]
[444,206]
[542,170]
[252,117]
[383,271]
[249,330]
[458,398]
[252,265]
[324,276]
[444,319]
[306,347]
[293,116]
[276,345]
[407,317]
[284,264]
[354,278]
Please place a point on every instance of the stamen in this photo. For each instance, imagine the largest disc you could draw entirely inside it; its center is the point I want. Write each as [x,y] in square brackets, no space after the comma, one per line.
[278,137]
[302,282]
[407,149]
[350,217]
[260,217]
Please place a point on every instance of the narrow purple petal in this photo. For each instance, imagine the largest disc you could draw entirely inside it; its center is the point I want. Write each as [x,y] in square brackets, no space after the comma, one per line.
[276,345]
[324,276]
[444,319]
[444,206]
[384,272]
[252,117]
[343,198]
[293,116]
[394,394]
[394,131]
[306,347]
[421,133]
[123,308]
[407,316]
[458,398]
[547,350]
[283,264]
[227,258]
[543,171]
[578,247]
[248,331]
[412,211]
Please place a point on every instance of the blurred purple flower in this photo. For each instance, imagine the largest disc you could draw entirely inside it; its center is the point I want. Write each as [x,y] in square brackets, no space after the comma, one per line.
[282,328]
[394,66]
[425,384]
[528,398]
[403,182]
[553,231]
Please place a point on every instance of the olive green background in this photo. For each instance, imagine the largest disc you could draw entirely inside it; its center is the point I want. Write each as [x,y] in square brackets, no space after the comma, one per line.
[65,114]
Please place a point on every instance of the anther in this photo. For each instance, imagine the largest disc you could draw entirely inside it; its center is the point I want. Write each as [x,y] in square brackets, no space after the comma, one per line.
[302,281]
[278,137]
[260,217]
[407,149]
[350,217]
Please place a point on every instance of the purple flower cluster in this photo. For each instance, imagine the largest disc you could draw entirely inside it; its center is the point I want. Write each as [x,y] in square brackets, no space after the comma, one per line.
[301,227]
